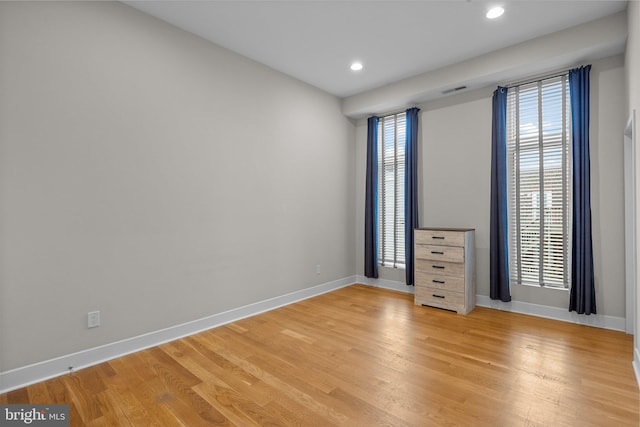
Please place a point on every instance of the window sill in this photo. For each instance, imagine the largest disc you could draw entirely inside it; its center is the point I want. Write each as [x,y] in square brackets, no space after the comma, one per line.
[533,285]
[395,267]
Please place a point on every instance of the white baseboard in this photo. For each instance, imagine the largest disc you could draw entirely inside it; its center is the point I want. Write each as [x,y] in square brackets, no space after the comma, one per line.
[636,364]
[386,284]
[26,375]
[563,314]
[598,320]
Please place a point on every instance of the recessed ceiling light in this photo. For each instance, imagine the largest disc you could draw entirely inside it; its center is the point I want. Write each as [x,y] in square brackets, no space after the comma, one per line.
[356,66]
[495,12]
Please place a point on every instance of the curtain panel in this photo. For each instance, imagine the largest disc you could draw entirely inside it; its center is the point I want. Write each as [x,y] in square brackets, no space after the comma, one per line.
[499,248]
[410,190]
[371,201]
[582,297]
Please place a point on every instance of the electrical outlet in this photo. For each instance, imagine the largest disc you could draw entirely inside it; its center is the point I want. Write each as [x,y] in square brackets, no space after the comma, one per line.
[318,269]
[93,319]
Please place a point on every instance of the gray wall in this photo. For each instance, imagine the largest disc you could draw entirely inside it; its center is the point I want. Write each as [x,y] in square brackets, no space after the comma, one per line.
[156,177]
[455,161]
[160,179]
[632,66]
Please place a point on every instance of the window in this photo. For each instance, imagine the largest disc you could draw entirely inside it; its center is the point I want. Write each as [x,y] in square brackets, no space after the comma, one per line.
[391,144]
[539,182]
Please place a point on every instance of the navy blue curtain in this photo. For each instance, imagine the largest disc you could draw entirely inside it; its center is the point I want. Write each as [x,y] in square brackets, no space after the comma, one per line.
[582,298]
[498,241]
[410,189]
[371,201]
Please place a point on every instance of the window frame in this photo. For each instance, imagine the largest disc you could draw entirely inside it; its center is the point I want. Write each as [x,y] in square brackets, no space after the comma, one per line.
[391,155]
[549,144]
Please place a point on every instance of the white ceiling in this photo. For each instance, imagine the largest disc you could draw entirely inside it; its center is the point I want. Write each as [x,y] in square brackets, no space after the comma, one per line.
[316,41]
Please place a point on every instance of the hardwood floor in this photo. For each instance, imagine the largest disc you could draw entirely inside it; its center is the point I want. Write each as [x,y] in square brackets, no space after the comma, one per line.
[362,356]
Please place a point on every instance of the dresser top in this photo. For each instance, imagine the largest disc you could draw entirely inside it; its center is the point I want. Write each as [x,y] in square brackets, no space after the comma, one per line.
[445,229]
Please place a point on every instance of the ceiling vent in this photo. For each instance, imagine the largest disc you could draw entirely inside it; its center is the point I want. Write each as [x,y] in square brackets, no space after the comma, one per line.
[455,89]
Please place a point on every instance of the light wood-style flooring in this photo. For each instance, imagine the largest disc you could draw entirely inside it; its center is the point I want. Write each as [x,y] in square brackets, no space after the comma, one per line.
[362,356]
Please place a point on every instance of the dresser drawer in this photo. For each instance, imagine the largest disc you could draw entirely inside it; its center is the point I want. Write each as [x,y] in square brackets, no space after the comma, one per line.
[439,298]
[439,237]
[439,253]
[439,267]
[448,283]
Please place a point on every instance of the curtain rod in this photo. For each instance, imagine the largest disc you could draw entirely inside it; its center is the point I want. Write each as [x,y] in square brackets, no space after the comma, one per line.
[539,78]
[393,113]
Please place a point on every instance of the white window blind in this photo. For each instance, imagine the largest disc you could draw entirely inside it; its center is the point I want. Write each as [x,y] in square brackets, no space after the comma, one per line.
[391,149]
[539,181]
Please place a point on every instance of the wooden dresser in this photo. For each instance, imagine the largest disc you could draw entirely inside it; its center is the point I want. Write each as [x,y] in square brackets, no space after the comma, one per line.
[444,268]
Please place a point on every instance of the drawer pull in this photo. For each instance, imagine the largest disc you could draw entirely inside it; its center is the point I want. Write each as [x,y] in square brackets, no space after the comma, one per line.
[438,237]
[438,266]
[438,296]
[438,281]
[437,252]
